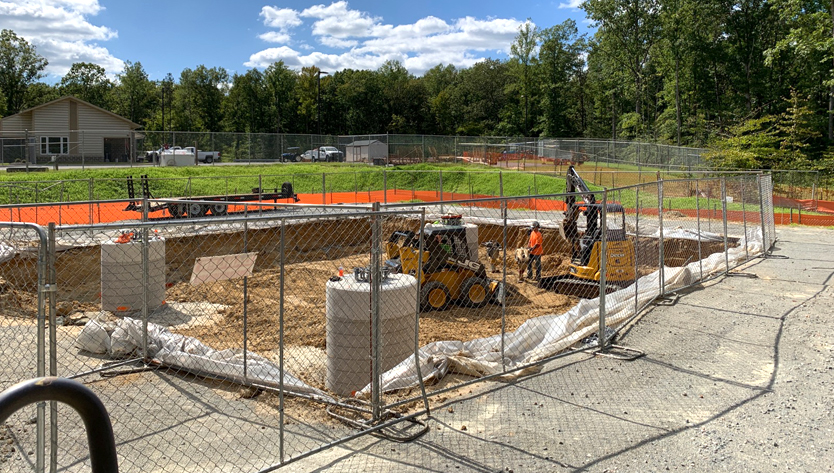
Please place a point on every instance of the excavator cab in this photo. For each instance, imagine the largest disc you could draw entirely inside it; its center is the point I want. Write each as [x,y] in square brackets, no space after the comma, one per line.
[586,248]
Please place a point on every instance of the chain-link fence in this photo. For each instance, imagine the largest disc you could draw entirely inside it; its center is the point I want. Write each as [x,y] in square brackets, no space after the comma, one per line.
[245,341]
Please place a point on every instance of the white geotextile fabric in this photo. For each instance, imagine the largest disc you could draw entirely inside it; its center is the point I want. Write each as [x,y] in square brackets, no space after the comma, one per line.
[544,336]
[124,337]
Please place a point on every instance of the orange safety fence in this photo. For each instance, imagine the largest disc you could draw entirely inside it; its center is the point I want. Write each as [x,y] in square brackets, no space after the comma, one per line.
[110,212]
[824,206]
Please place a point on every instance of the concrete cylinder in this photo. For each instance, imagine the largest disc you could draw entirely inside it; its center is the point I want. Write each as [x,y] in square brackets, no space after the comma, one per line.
[121,276]
[348,308]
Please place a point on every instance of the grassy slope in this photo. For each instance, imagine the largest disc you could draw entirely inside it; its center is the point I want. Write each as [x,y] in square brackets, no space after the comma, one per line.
[110,183]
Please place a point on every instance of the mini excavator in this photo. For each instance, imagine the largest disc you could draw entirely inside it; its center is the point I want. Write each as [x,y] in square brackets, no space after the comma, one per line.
[583,275]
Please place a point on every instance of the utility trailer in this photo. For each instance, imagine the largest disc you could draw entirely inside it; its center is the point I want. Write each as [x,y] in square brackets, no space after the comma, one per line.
[196,207]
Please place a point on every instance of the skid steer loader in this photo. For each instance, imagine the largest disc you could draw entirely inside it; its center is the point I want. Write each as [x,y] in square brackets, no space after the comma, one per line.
[451,268]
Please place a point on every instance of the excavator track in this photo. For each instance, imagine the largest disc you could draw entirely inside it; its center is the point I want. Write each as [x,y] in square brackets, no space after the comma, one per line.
[572,286]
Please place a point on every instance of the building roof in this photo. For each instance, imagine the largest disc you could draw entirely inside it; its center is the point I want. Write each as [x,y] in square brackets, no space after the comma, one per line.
[365,143]
[132,125]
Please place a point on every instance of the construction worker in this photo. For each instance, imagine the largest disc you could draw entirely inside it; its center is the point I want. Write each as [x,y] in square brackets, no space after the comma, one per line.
[536,251]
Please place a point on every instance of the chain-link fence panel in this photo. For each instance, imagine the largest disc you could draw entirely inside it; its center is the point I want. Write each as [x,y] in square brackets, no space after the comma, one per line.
[23,325]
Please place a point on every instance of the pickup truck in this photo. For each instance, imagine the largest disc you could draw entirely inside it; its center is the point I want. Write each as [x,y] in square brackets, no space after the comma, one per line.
[326,153]
[207,157]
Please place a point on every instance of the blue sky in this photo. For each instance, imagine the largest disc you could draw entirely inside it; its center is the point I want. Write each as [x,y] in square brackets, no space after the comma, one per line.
[168,36]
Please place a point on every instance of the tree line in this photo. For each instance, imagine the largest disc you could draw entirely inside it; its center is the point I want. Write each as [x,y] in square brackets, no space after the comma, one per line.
[752,79]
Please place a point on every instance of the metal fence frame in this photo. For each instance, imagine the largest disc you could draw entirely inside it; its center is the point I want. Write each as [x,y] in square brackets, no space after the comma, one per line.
[652,202]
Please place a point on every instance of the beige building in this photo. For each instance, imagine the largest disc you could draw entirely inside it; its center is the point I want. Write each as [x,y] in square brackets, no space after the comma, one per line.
[69,129]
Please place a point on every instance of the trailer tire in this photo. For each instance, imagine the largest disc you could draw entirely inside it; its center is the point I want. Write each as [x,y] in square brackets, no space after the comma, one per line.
[197,210]
[176,210]
[219,209]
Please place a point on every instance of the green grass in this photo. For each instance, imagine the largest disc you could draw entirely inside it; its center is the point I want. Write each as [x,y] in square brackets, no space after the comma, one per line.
[111,183]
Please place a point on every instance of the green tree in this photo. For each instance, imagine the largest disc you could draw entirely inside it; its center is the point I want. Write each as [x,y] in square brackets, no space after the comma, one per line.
[198,99]
[281,82]
[20,67]
[560,70]
[88,82]
[522,50]
[134,96]
[626,32]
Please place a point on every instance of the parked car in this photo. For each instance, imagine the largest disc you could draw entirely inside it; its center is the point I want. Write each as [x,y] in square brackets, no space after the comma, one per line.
[328,154]
[291,156]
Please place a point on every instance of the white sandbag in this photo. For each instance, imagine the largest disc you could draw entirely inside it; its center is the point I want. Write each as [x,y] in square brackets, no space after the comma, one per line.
[93,338]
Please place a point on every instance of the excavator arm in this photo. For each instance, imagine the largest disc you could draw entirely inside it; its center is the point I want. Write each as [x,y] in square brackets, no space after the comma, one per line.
[575,185]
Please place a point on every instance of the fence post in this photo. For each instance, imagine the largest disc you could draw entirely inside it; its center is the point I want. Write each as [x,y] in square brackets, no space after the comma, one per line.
[53,346]
[603,257]
[323,189]
[145,278]
[246,306]
[660,257]
[43,288]
[385,187]
[744,219]
[759,180]
[82,150]
[376,276]
[698,221]
[724,215]
[503,284]
[281,281]
[636,246]
[419,277]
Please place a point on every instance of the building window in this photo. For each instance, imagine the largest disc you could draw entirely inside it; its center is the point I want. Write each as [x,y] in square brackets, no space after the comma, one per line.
[54,145]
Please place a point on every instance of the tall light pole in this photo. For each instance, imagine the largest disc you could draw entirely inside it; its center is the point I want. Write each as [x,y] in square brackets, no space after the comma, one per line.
[318,99]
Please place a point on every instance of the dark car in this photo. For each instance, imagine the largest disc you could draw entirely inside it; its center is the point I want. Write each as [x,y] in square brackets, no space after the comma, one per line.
[291,156]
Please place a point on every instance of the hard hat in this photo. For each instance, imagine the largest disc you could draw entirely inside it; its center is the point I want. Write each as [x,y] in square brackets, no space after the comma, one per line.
[535,224]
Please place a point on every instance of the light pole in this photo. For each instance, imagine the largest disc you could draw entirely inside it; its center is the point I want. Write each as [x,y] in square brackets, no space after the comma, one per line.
[318,99]
[526,128]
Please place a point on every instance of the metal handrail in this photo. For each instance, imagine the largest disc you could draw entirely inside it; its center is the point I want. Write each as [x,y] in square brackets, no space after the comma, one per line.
[79,397]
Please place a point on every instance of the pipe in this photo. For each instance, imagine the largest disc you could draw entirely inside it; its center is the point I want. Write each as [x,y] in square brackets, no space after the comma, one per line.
[96,420]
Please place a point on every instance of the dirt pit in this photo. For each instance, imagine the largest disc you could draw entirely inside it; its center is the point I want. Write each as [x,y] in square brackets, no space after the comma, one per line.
[314,252]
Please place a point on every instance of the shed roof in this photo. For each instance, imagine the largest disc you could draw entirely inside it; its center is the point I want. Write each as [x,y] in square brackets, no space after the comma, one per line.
[365,142]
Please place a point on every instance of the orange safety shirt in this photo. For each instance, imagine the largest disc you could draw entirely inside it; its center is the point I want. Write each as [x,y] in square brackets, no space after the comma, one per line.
[536,243]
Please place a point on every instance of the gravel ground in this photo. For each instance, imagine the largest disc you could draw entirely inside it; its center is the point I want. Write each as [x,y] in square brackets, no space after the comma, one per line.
[737,377]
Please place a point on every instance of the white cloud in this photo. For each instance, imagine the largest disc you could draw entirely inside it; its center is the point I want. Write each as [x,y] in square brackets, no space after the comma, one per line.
[61,32]
[275,37]
[282,18]
[369,42]
[571,4]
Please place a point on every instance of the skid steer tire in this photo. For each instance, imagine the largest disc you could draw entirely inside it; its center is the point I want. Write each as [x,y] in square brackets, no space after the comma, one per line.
[474,293]
[435,296]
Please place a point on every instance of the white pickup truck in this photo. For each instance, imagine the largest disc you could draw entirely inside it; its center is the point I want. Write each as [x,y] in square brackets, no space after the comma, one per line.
[326,154]
[207,157]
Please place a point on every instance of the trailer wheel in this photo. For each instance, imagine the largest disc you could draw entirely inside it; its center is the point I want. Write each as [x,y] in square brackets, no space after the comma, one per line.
[219,209]
[197,210]
[298,158]
[176,210]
